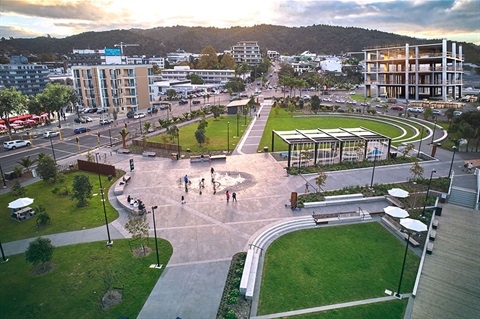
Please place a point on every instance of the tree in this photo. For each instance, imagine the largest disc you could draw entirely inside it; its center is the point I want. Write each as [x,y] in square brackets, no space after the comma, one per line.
[315,103]
[39,251]
[407,149]
[43,219]
[449,114]
[147,126]
[171,94]
[81,189]
[173,132]
[195,79]
[11,101]
[427,113]
[56,96]
[227,62]
[34,106]
[47,169]
[200,136]
[208,59]
[202,125]
[235,84]
[137,226]
[17,190]
[321,179]
[416,170]
[216,111]
[26,162]
[124,134]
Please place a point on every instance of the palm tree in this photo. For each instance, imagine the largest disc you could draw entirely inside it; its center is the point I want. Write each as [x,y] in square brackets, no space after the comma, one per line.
[26,162]
[124,134]
[190,97]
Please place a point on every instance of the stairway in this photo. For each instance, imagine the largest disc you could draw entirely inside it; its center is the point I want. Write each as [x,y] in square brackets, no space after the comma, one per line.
[462,197]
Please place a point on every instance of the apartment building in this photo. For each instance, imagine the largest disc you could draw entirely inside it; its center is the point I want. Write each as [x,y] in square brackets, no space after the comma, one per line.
[209,76]
[122,87]
[414,72]
[30,79]
[247,51]
[273,55]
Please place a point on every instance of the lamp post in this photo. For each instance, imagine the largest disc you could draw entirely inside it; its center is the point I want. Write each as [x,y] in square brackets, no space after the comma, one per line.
[178,143]
[238,116]
[228,137]
[398,295]
[4,259]
[420,145]
[157,266]
[53,150]
[3,177]
[428,190]
[109,242]
[110,135]
[454,148]
[374,162]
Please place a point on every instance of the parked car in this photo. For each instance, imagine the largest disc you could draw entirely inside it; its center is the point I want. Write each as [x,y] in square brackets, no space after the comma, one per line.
[436,112]
[195,102]
[101,110]
[11,145]
[106,121]
[181,102]
[91,110]
[457,113]
[138,115]
[416,109]
[81,130]
[151,110]
[397,108]
[88,119]
[80,120]
[306,97]
[130,114]
[48,134]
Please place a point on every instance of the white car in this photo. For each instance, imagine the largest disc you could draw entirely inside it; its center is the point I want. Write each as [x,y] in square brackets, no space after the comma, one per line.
[138,115]
[457,113]
[11,145]
[87,119]
[48,134]
[106,121]
[416,109]
[436,112]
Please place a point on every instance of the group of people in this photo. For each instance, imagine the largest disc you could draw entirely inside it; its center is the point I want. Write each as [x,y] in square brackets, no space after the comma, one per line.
[468,167]
[234,197]
[137,203]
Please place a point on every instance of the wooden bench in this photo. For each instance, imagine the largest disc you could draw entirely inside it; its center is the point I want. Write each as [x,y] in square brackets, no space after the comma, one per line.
[218,157]
[413,242]
[435,223]
[394,201]
[149,154]
[433,234]
[429,248]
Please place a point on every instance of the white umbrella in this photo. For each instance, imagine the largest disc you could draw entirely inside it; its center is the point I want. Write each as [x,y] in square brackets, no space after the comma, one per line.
[413,225]
[396,212]
[398,192]
[21,202]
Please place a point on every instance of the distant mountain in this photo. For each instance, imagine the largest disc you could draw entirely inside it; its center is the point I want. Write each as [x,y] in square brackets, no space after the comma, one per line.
[286,40]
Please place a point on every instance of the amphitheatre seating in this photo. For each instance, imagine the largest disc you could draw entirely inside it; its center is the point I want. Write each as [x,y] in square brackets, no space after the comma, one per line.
[394,201]
[120,185]
[429,248]
[337,199]
[435,223]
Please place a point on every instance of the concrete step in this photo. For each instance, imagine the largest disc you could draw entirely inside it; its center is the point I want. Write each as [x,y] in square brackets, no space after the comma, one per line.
[462,197]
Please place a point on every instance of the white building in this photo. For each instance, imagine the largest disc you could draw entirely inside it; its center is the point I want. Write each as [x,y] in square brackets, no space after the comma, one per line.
[273,55]
[332,64]
[209,76]
[178,56]
[247,51]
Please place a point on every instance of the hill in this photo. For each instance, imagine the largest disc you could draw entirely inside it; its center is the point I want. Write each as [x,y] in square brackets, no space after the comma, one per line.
[286,40]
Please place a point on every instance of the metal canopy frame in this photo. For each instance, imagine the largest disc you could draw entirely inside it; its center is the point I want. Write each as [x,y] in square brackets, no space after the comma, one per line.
[336,139]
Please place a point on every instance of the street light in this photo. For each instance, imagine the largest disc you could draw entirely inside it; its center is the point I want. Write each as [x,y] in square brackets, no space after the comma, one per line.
[428,190]
[157,266]
[228,137]
[110,135]
[374,162]
[109,242]
[3,177]
[454,148]
[53,151]
[238,116]
[178,143]
[420,145]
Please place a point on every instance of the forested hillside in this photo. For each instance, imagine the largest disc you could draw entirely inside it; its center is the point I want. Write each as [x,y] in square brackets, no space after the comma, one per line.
[286,40]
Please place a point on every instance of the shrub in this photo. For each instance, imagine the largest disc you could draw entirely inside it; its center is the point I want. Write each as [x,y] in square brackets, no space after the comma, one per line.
[43,219]
[229,314]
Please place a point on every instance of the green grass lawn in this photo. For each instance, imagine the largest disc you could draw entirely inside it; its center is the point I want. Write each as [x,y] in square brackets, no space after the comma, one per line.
[216,133]
[64,213]
[74,288]
[285,122]
[383,310]
[317,267]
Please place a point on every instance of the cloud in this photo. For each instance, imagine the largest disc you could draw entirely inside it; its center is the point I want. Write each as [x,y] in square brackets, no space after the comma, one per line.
[82,10]
[16,32]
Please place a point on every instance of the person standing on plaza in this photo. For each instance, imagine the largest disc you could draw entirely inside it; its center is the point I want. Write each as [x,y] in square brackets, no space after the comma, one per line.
[212,171]
[234,197]
[227,194]
[185,179]
[306,187]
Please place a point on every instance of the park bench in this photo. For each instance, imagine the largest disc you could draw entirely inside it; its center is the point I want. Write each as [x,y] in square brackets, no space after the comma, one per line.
[120,186]
[394,201]
[433,234]
[199,159]
[218,157]
[149,154]
[435,223]
[429,248]
[398,229]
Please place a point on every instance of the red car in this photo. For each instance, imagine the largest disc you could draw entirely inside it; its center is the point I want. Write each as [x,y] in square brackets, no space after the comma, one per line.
[397,108]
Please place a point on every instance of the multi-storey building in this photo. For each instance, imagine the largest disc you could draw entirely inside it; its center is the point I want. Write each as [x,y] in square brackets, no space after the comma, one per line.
[209,76]
[273,55]
[122,87]
[415,71]
[30,79]
[247,51]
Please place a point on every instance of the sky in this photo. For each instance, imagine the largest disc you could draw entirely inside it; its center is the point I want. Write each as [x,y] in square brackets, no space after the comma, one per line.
[456,20]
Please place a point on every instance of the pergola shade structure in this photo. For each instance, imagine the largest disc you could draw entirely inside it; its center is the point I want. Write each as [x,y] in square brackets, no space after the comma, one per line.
[330,146]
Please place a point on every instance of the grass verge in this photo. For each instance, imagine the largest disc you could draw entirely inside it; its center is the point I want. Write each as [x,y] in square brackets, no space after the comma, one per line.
[317,267]
[74,288]
[63,211]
